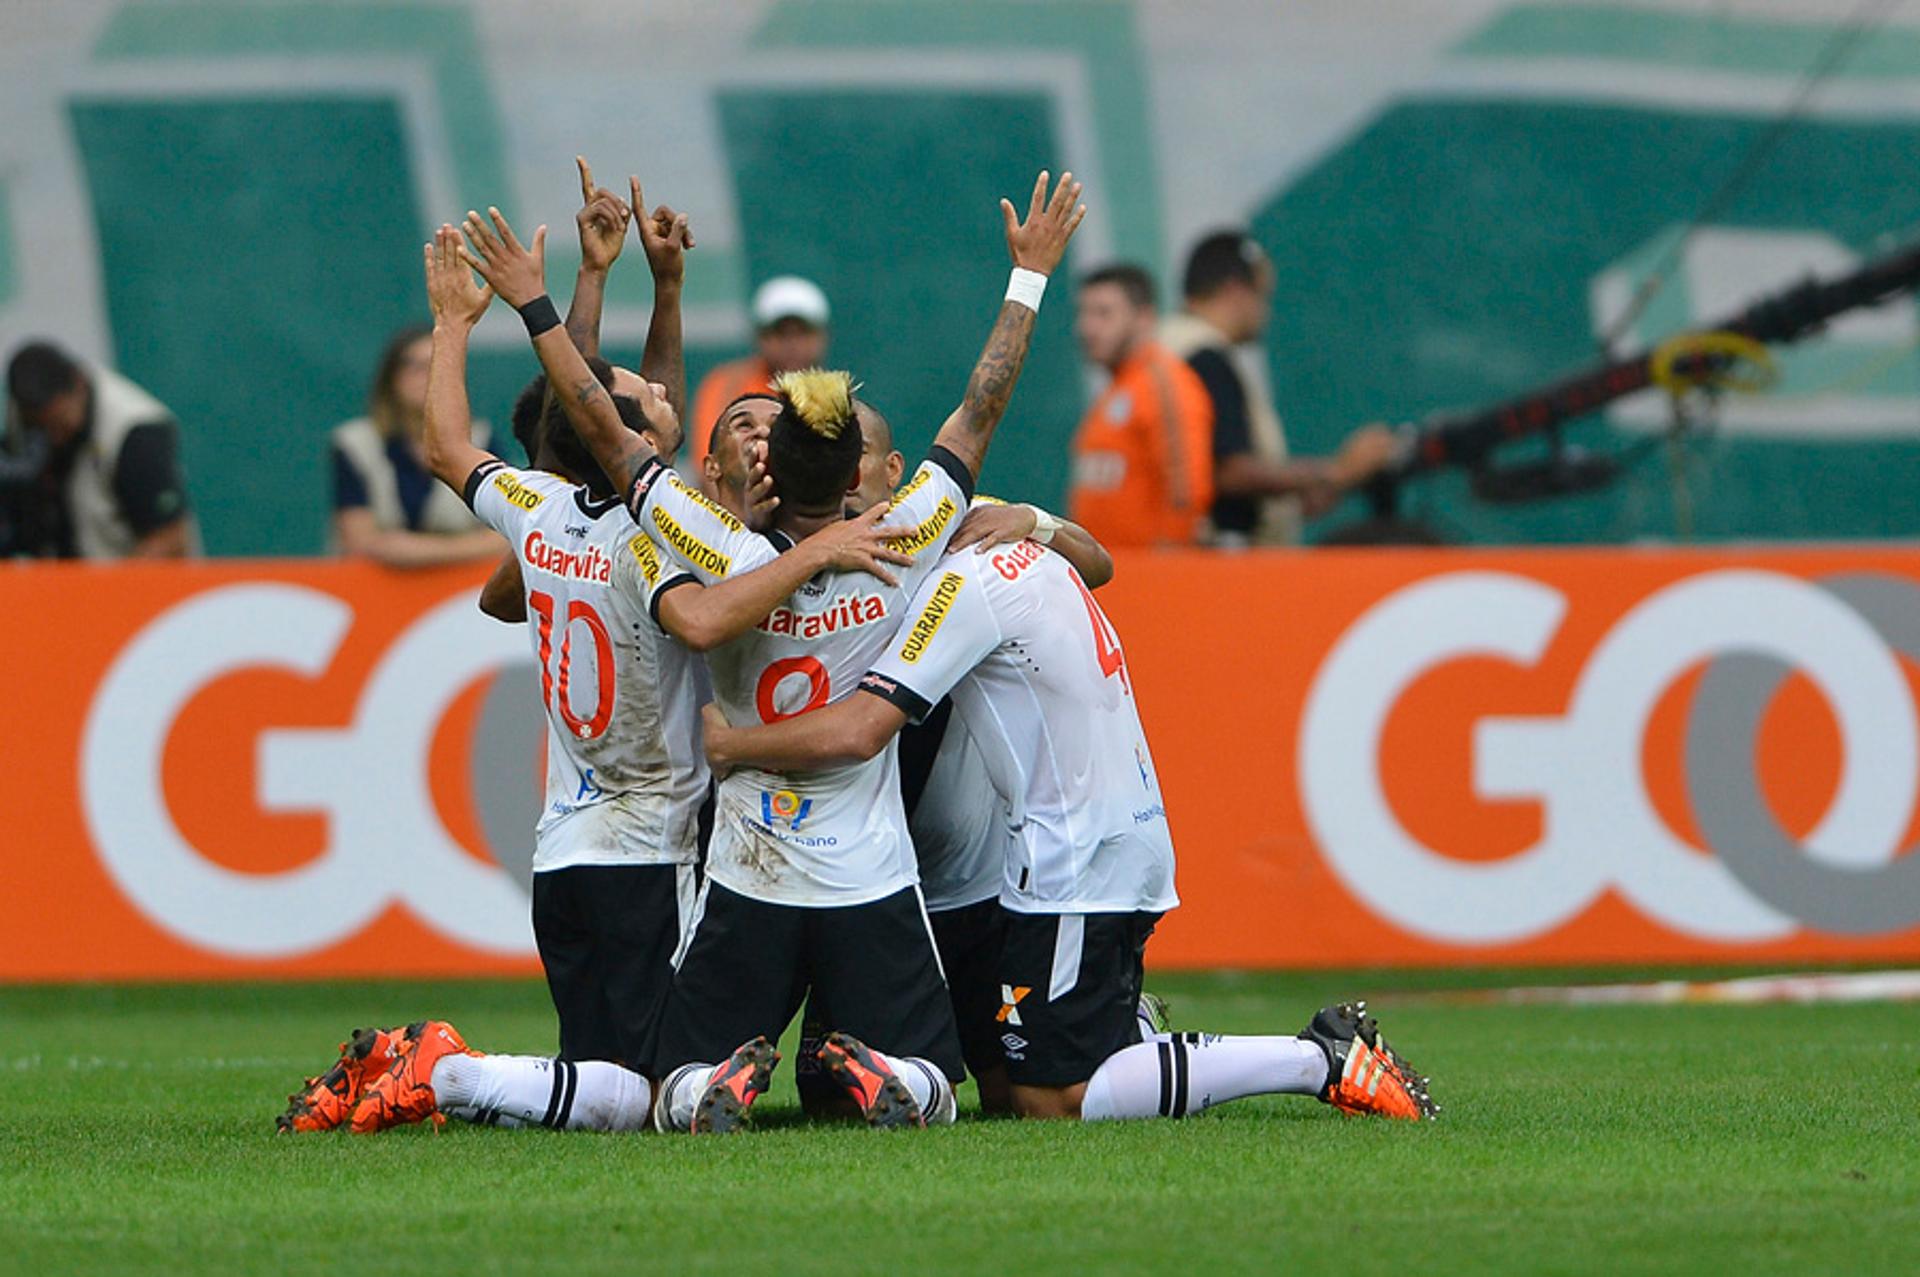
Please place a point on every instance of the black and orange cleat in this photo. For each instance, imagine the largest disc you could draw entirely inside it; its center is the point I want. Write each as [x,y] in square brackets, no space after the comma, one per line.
[327,1101]
[883,1098]
[732,1088]
[404,1093]
[1364,1074]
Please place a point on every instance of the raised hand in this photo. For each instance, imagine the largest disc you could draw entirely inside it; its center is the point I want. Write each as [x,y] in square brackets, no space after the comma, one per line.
[517,273]
[762,500]
[1038,243]
[860,545]
[452,295]
[602,220]
[664,234]
[993,525]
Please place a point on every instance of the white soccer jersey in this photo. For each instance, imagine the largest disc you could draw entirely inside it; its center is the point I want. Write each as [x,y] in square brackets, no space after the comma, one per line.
[1037,673]
[626,771]
[958,821]
[817,839]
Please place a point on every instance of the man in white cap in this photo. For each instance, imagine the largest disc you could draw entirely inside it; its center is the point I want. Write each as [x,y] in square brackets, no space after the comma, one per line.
[790,326]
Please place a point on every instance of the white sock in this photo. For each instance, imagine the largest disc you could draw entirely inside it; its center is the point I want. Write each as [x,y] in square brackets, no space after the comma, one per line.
[930,1088]
[529,1090]
[1190,1072]
[680,1090]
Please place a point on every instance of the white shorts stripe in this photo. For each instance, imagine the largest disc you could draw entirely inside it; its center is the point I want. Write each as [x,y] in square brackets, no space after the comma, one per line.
[1067,944]
[691,924]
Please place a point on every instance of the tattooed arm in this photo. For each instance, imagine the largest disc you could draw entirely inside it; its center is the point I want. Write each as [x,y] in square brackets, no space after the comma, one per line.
[518,274]
[1037,244]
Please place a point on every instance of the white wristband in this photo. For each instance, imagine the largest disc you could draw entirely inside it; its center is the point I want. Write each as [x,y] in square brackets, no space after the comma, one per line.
[1044,525]
[1027,287]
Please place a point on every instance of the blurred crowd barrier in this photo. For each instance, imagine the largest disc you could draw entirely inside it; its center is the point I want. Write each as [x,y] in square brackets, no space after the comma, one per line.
[1368,757]
[225,200]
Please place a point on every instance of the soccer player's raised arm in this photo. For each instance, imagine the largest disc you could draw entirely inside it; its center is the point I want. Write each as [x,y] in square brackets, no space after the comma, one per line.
[457,304]
[602,221]
[666,238]
[851,730]
[1037,245]
[518,273]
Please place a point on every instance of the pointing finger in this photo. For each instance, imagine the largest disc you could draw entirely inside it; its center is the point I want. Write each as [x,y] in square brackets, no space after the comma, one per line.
[586,179]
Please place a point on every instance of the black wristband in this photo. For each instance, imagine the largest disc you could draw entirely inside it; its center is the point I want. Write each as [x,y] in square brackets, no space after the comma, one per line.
[539,315]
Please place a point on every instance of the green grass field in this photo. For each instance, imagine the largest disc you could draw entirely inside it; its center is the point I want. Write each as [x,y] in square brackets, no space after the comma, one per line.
[136,1132]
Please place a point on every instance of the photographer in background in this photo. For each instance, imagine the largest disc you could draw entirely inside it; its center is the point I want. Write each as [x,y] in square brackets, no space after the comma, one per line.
[93,467]
[1260,492]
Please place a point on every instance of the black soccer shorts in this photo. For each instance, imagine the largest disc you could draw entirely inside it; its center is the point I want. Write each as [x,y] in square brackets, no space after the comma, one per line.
[969,939]
[1070,987]
[748,964]
[607,935]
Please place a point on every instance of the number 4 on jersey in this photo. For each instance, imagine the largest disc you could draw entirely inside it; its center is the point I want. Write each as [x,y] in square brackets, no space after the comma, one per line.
[1106,643]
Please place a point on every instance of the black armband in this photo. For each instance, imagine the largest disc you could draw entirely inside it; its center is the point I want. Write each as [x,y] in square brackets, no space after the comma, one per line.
[539,315]
[897,694]
[644,478]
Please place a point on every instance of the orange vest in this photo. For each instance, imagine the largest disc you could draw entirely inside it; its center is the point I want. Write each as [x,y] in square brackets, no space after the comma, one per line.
[719,388]
[1143,458]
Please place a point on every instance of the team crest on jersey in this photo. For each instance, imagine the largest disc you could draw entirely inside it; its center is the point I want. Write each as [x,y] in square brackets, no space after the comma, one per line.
[691,547]
[843,614]
[929,532]
[708,504]
[783,806]
[588,564]
[647,557]
[516,492]
[932,616]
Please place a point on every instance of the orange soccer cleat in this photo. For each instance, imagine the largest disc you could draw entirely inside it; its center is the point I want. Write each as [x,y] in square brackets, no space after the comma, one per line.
[1364,1074]
[404,1093]
[883,1098]
[327,1101]
[733,1087]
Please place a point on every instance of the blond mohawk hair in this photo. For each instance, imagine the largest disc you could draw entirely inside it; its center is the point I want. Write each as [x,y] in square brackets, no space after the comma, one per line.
[821,399]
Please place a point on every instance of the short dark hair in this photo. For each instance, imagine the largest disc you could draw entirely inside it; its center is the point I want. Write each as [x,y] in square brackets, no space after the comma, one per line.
[526,416]
[39,373]
[539,418]
[1219,259]
[1130,279]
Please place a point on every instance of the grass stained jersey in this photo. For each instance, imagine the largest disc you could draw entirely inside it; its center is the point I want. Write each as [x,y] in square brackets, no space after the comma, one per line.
[827,838]
[625,769]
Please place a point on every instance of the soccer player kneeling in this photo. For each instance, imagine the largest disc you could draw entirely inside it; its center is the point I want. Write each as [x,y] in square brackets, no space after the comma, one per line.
[1037,672]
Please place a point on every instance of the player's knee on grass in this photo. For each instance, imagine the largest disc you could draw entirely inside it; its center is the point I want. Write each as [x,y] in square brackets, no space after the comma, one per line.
[1049,1102]
[996,1092]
